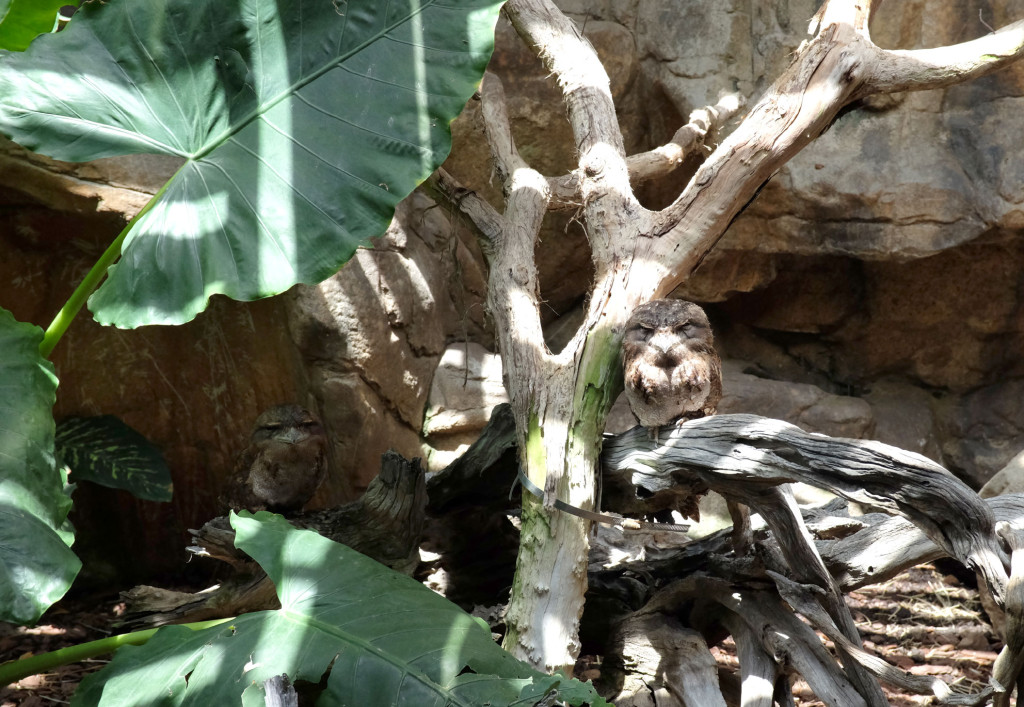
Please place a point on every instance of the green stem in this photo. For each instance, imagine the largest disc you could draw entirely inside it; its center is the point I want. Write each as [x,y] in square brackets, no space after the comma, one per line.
[92,280]
[14,670]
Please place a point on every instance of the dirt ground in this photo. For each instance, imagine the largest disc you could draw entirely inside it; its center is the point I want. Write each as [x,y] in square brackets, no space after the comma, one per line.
[923,621]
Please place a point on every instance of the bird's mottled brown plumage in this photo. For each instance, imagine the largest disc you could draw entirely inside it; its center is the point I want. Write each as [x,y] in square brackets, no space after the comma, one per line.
[283,465]
[672,371]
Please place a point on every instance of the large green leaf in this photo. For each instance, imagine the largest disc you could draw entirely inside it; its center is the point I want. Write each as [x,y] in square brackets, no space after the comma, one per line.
[36,564]
[384,638]
[105,450]
[301,123]
[21,21]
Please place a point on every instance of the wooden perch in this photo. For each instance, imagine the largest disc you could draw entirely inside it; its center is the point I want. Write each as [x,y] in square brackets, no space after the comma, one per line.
[740,454]
[752,460]
[1007,671]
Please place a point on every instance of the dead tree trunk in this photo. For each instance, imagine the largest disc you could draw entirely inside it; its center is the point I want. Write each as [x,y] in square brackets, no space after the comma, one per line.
[560,401]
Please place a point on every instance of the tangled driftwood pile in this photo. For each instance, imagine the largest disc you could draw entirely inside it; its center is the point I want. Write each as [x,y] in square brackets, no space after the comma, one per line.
[757,594]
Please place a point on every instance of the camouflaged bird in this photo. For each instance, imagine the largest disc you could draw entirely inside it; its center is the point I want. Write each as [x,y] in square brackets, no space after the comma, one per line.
[672,371]
[284,464]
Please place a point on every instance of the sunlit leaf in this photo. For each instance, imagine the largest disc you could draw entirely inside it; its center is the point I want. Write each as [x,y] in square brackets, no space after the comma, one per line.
[384,639]
[21,21]
[300,123]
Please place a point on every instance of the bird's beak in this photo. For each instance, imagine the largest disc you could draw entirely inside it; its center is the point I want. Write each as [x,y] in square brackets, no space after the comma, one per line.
[663,341]
[290,435]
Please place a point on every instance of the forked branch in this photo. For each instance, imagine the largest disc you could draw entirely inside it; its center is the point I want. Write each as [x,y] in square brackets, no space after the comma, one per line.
[838,66]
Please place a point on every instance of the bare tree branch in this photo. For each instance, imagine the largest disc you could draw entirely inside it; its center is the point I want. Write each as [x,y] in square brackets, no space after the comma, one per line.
[663,160]
[914,70]
[687,140]
[836,67]
[792,112]
[514,291]
[588,100]
[735,454]
[499,132]
[855,13]
[487,221]
[577,69]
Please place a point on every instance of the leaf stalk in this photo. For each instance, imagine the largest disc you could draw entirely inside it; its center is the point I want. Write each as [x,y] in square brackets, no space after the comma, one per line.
[14,670]
[92,280]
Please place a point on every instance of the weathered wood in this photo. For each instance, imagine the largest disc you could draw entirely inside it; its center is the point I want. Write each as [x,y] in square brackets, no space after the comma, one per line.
[667,660]
[778,507]
[795,644]
[385,524]
[781,634]
[482,476]
[804,600]
[1006,673]
[886,546]
[854,558]
[278,692]
[738,454]
[752,460]
[467,528]
[758,670]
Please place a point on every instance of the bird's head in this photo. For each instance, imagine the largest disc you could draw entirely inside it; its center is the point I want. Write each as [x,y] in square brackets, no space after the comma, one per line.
[286,424]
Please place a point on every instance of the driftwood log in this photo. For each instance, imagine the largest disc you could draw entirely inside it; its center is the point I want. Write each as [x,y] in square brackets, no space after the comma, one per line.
[385,523]
[757,597]
[746,457]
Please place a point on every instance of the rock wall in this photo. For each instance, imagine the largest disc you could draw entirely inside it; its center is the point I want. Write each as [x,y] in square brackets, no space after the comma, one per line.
[873,289]
[372,336]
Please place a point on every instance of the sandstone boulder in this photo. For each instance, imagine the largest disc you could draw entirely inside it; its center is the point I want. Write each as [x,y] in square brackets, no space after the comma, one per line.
[802,404]
[467,385]
[1009,479]
[982,431]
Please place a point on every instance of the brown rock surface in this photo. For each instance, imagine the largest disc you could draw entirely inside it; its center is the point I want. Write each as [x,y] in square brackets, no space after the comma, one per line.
[802,404]
[372,335]
[1009,479]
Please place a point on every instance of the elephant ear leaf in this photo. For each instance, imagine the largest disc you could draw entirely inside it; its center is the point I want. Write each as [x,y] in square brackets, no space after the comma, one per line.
[106,451]
[365,634]
[300,125]
[36,562]
[21,21]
